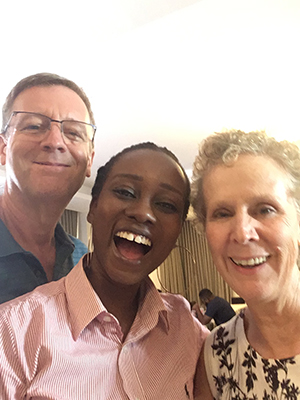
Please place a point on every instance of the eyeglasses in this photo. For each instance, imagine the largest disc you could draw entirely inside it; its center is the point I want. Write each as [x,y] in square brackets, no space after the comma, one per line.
[35,125]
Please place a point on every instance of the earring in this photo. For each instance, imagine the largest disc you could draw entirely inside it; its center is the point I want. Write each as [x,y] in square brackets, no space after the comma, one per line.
[158,275]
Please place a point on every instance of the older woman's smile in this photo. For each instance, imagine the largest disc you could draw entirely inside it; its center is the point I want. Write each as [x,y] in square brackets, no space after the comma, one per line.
[251,262]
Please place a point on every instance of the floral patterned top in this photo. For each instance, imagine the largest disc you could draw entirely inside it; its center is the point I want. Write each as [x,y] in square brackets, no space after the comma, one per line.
[235,371]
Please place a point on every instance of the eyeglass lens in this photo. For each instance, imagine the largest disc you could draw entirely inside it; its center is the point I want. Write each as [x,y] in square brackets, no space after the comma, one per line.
[35,124]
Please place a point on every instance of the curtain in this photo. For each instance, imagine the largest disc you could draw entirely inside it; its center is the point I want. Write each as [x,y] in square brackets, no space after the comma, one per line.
[190,268]
[69,221]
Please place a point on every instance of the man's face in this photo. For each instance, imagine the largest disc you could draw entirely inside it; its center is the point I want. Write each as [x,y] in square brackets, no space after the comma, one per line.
[49,167]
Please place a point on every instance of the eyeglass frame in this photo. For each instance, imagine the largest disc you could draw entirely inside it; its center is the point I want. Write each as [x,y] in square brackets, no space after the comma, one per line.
[50,119]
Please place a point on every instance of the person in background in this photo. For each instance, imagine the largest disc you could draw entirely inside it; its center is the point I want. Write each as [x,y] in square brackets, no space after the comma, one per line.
[105,331]
[217,308]
[246,191]
[46,143]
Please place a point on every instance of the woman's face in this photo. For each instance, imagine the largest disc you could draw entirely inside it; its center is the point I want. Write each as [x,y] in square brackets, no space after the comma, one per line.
[137,216]
[252,227]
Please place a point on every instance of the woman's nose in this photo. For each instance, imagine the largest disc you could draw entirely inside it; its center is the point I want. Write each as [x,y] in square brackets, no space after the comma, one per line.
[142,211]
[244,229]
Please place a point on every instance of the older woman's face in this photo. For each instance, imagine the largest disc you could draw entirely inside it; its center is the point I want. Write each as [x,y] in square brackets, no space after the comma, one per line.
[252,227]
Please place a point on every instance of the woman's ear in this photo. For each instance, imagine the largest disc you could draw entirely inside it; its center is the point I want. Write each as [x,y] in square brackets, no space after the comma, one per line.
[91,213]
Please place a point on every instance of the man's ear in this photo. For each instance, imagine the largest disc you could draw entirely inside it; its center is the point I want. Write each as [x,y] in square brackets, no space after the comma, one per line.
[92,210]
[89,164]
[3,144]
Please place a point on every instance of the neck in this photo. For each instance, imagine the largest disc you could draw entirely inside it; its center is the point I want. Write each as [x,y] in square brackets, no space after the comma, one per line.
[37,214]
[32,225]
[120,300]
[266,328]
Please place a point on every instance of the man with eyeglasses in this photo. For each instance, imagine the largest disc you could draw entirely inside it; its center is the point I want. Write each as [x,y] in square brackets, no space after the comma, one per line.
[47,145]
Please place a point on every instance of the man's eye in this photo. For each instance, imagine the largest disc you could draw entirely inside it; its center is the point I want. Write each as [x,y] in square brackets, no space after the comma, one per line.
[74,135]
[31,127]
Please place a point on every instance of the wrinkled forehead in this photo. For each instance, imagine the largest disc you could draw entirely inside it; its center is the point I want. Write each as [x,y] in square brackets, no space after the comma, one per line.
[56,101]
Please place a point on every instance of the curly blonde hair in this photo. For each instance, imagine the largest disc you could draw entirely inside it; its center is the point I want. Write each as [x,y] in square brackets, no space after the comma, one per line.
[224,148]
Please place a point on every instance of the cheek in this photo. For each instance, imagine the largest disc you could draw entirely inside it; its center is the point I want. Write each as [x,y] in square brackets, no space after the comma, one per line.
[287,233]
[170,233]
[21,152]
[214,236]
[80,154]
[287,248]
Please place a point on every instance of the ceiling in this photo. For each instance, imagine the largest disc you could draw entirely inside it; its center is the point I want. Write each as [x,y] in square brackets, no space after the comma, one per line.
[168,71]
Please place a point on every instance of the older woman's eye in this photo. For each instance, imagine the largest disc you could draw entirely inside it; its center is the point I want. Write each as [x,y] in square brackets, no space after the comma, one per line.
[219,214]
[267,210]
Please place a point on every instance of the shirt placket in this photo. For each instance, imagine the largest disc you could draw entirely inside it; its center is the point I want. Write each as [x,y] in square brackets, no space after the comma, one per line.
[129,374]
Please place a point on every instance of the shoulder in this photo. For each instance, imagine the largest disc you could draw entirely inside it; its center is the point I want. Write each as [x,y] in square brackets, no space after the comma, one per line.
[40,303]
[221,352]
[176,305]
[79,250]
[218,299]
[179,314]
[77,242]
[227,333]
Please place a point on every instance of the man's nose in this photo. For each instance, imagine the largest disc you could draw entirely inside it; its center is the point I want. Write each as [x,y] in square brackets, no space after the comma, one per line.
[53,139]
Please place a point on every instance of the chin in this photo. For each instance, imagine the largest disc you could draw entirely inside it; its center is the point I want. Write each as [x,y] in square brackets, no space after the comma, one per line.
[125,278]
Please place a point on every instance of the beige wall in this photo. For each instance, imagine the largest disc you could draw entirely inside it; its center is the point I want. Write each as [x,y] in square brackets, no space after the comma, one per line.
[155,280]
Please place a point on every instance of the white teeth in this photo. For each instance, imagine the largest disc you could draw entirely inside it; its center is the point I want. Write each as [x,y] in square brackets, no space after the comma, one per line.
[251,262]
[140,239]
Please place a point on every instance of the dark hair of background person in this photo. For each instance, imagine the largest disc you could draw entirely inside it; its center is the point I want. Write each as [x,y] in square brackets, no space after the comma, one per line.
[205,293]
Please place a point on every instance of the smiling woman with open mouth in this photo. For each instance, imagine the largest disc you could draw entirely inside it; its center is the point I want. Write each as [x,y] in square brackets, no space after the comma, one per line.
[247,194]
[105,331]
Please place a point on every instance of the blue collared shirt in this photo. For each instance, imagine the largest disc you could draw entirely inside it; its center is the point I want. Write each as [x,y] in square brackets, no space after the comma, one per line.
[21,271]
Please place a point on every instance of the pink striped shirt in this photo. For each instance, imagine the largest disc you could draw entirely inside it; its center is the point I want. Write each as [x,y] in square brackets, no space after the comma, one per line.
[59,342]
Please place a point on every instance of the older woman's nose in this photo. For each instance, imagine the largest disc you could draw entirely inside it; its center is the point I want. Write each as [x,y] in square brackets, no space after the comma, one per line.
[244,228]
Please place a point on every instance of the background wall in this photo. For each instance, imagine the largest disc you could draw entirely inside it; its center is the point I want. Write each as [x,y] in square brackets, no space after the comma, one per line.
[169,71]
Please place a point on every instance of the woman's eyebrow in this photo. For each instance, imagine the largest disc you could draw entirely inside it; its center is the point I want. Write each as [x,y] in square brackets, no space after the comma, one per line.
[140,178]
[171,188]
[131,176]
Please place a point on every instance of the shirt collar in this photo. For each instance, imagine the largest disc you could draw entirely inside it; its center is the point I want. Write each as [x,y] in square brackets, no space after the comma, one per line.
[84,304]
[62,238]
[152,309]
[9,246]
